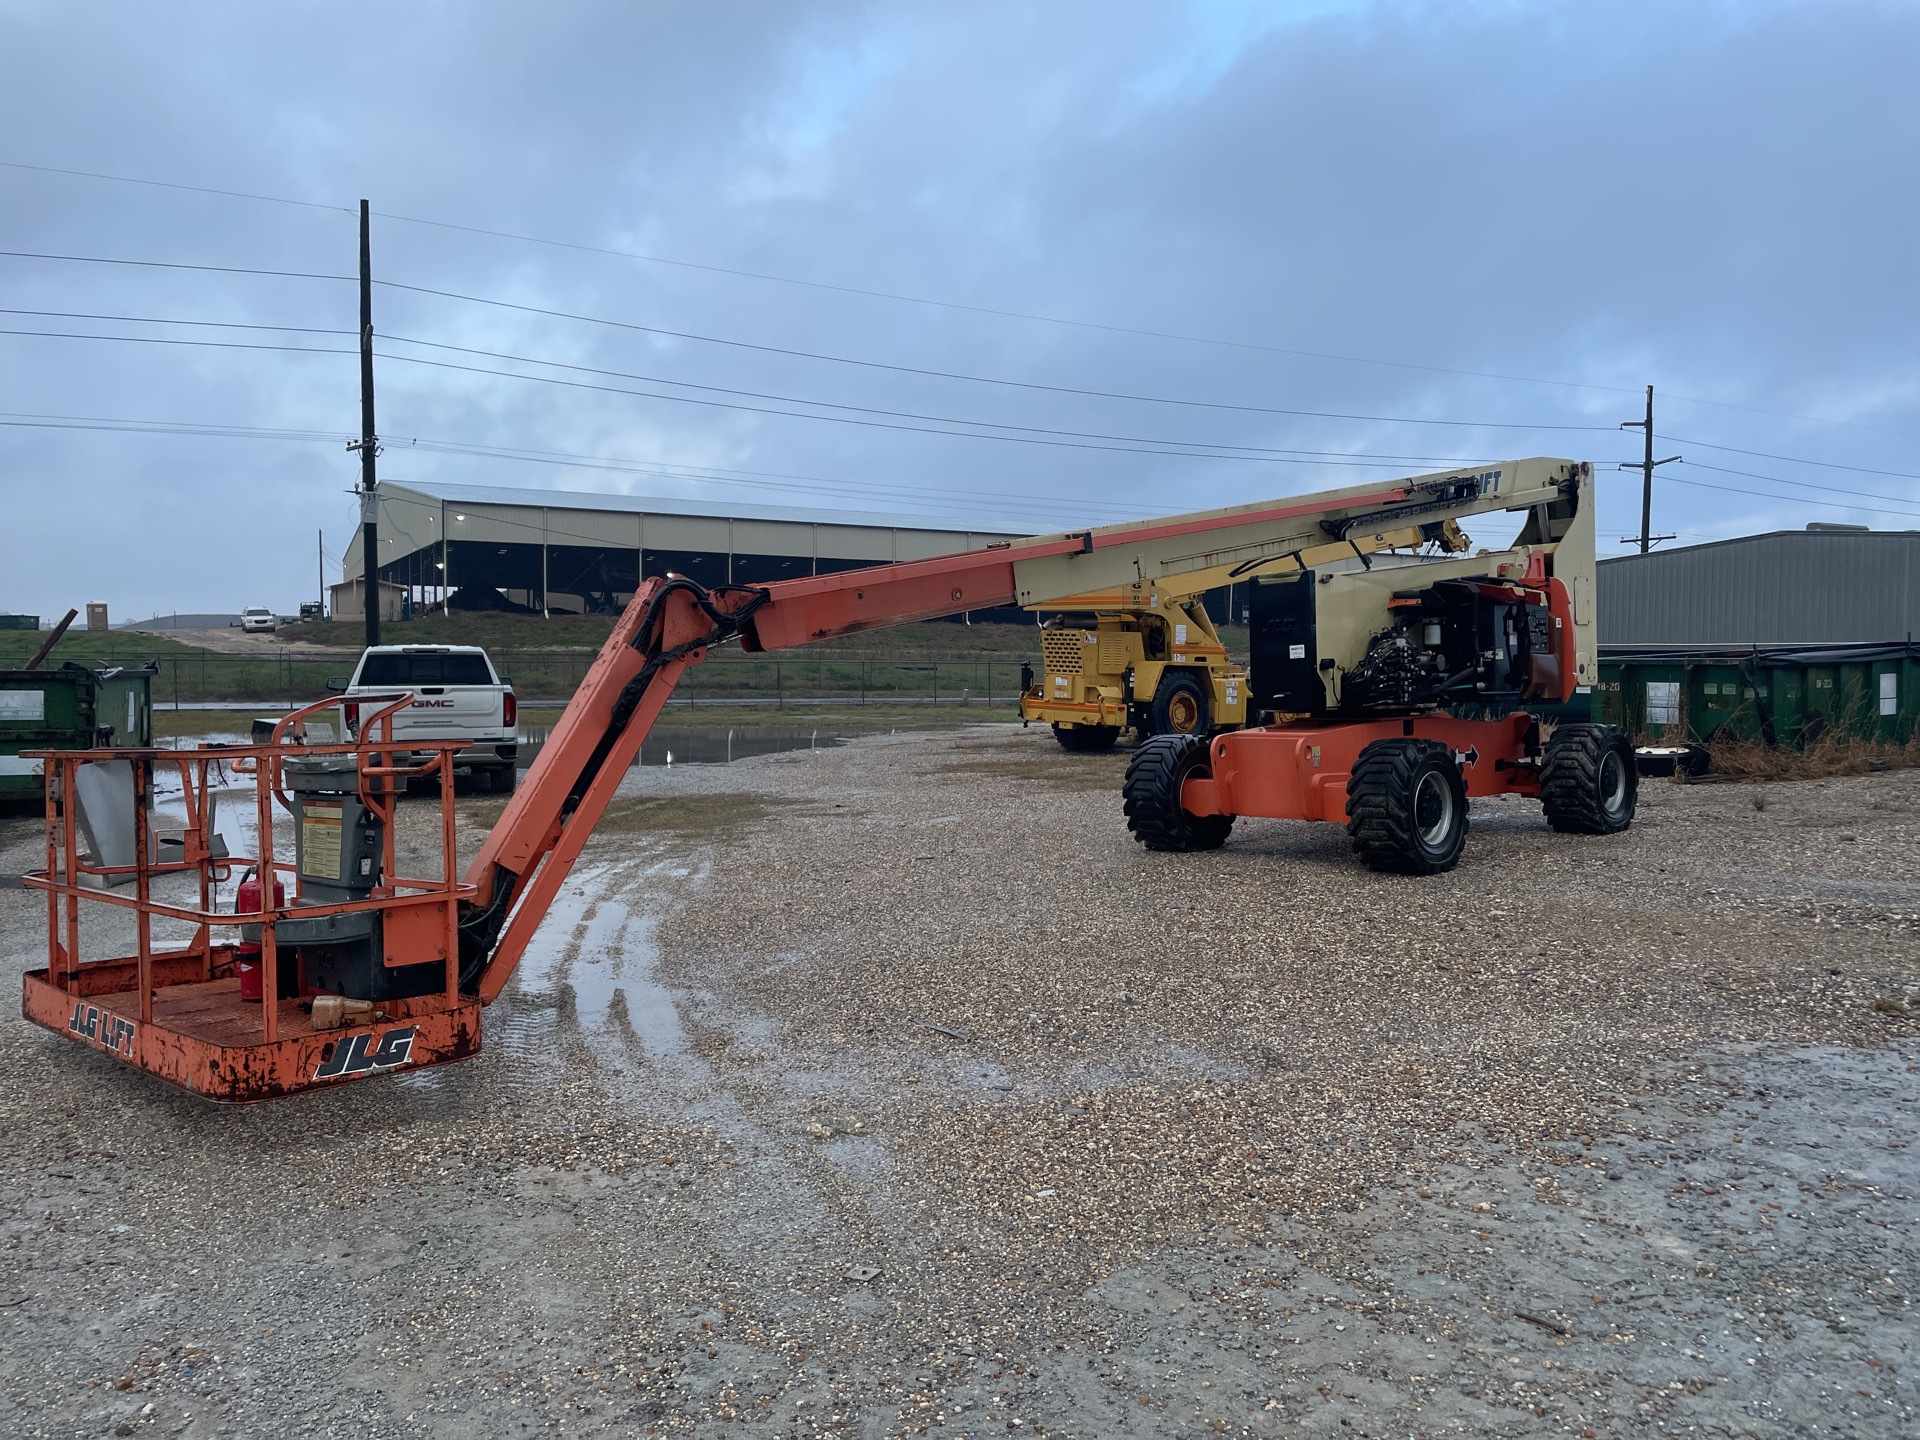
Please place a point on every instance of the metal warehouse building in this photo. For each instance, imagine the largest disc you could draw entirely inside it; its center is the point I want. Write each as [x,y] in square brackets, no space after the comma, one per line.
[1782,637]
[551,552]
[1819,586]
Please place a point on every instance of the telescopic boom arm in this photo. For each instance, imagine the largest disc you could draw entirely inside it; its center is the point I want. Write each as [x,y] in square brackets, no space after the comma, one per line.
[672,623]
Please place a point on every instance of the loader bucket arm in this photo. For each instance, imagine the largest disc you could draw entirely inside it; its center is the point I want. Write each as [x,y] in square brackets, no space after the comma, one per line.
[672,623]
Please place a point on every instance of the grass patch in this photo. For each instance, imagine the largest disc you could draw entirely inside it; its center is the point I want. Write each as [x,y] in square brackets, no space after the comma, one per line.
[85,647]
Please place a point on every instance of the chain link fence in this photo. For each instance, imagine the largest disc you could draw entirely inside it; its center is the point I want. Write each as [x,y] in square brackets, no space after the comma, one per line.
[547,677]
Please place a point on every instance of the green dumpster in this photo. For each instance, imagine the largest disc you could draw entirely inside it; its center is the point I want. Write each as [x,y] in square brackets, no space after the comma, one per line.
[71,708]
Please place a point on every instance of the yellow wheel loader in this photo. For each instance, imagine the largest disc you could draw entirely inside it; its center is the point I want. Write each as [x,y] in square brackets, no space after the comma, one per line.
[1148,659]
[1141,660]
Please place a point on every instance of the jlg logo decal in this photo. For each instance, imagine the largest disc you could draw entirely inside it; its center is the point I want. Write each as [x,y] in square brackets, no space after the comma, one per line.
[103,1028]
[361,1055]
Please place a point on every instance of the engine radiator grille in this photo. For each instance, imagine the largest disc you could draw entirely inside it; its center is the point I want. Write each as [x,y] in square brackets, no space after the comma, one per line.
[1060,651]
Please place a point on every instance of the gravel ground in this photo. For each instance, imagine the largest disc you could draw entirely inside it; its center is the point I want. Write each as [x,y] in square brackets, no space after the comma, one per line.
[890,1089]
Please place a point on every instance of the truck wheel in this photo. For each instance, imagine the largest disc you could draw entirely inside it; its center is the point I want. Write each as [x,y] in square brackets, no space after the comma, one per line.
[1151,794]
[1407,807]
[1588,781]
[1086,739]
[1180,707]
[500,780]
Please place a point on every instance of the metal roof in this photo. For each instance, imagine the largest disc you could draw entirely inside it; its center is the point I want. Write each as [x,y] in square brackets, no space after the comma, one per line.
[1785,587]
[659,505]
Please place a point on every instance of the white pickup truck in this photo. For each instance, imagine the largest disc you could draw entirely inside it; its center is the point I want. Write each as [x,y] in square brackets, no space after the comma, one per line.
[458,695]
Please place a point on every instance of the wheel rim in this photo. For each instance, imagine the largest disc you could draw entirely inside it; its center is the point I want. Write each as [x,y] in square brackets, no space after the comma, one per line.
[1183,713]
[1433,809]
[1613,783]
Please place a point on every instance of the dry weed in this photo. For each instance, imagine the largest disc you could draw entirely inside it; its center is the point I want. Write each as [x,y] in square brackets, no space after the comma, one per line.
[1829,755]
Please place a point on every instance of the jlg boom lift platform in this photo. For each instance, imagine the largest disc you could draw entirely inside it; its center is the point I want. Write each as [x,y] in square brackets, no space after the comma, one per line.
[1405,677]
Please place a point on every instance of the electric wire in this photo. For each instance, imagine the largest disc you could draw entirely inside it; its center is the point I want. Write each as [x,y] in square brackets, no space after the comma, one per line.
[919,299]
[875,410]
[176,340]
[971,378]
[1031,435]
[1801,484]
[1062,444]
[1796,459]
[175,265]
[169,320]
[1789,499]
[662,470]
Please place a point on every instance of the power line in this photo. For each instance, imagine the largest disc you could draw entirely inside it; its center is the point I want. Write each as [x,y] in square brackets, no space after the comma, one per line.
[169,265]
[1801,484]
[1791,499]
[171,185]
[941,304]
[176,340]
[590,462]
[835,288]
[1029,434]
[1798,460]
[815,355]
[164,427]
[874,410]
[163,320]
[970,378]
[888,424]
[664,470]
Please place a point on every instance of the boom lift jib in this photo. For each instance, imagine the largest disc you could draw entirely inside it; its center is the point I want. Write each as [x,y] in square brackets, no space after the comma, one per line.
[367,971]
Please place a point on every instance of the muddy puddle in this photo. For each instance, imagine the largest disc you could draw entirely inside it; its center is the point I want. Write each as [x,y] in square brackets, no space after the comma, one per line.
[588,974]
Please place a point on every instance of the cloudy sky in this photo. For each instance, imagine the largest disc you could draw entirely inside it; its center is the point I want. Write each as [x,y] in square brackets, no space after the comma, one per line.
[1314,243]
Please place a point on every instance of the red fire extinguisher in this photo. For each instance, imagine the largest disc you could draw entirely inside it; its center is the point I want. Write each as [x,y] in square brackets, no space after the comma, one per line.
[246,955]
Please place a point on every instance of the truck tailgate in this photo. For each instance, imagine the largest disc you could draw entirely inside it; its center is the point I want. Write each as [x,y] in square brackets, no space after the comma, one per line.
[450,712]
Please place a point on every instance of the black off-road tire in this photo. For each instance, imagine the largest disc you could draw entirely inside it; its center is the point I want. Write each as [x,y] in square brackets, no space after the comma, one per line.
[1086,739]
[1589,784]
[1160,766]
[501,779]
[1407,807]
[1180,707]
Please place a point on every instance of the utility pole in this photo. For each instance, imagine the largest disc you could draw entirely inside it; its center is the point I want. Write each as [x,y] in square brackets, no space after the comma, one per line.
[368,445]
[1646,468]
[320,548]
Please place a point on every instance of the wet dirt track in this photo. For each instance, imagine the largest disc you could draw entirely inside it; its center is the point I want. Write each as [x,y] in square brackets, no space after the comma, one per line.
[892,1089]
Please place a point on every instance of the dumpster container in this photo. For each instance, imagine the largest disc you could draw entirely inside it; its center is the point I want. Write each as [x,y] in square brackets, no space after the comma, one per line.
[72,708]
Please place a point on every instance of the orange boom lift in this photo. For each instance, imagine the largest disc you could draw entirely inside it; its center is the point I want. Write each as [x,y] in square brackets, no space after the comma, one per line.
[369,971]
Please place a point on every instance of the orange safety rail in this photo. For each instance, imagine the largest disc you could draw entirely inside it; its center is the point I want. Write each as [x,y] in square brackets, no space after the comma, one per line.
[178,1012]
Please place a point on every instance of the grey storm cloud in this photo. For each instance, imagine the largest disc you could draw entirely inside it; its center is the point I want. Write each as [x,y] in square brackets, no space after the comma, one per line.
[1513,216]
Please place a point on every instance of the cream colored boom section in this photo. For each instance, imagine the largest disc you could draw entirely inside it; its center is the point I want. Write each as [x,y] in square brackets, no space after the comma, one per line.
[1153,552]
[1182,588]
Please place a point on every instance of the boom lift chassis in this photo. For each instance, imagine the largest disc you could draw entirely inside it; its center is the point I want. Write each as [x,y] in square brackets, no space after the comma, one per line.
[372,971]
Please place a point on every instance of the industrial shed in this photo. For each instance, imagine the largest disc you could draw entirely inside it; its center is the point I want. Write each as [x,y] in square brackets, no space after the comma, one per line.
[553,552]
[1819,586]
[1782,637]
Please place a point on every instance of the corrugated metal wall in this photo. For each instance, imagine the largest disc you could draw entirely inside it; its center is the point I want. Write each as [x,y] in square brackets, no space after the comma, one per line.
[1794,587]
